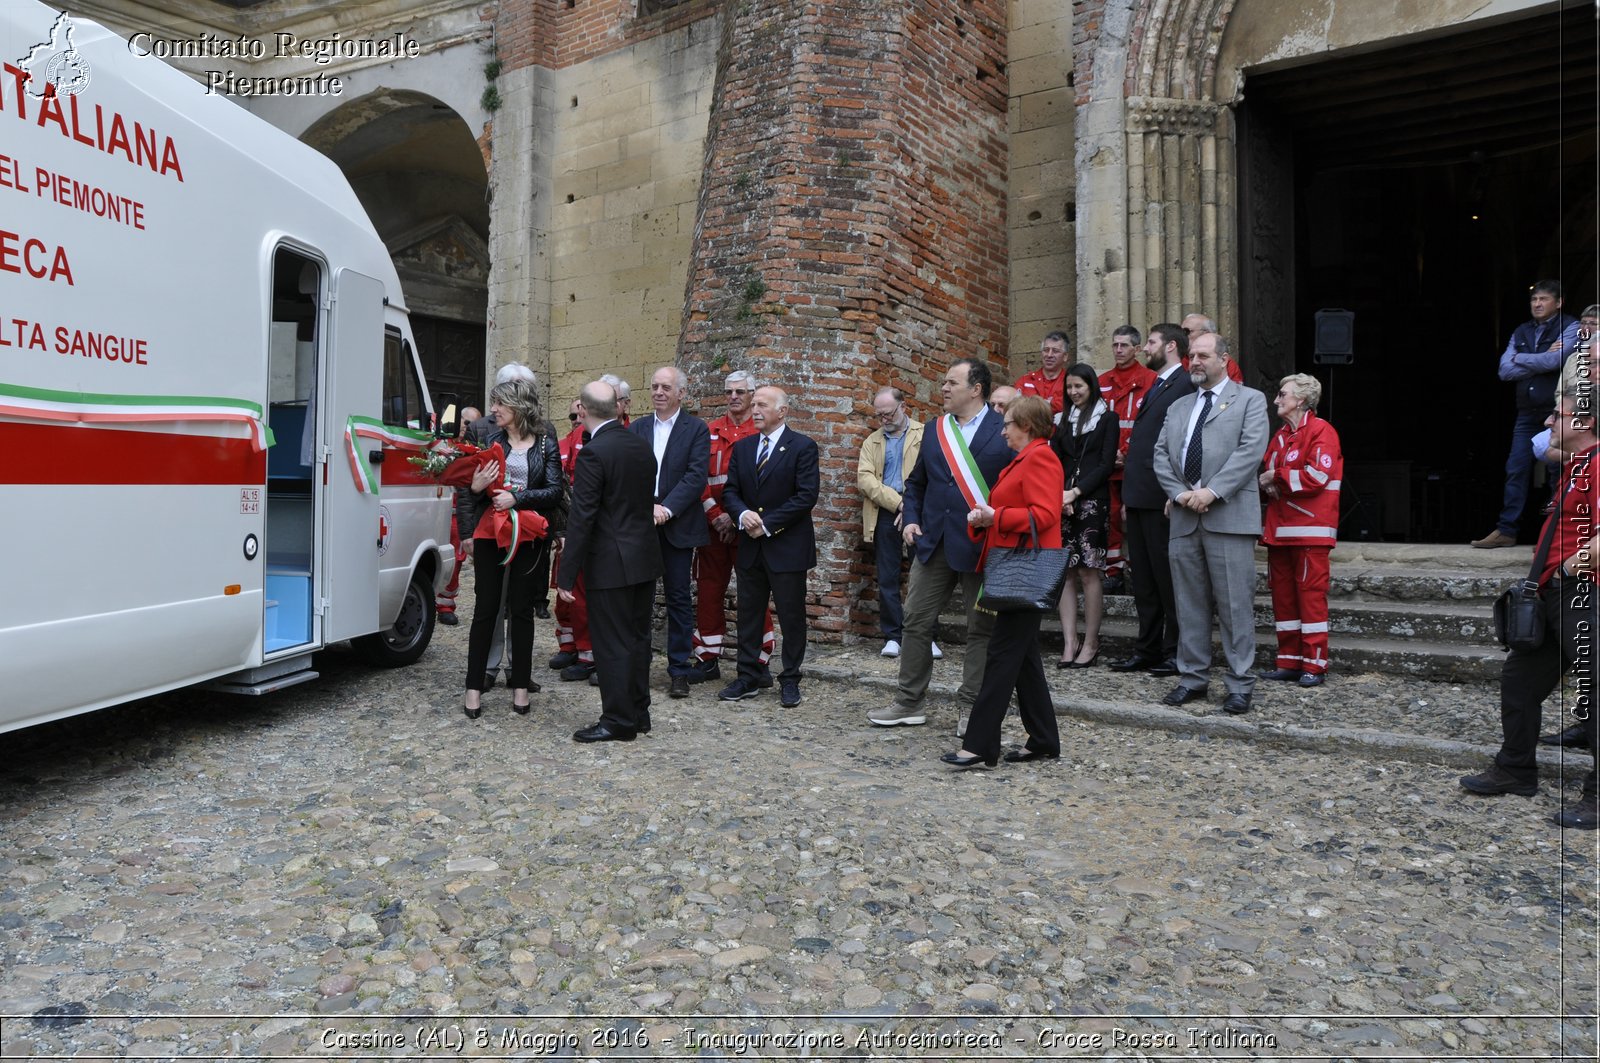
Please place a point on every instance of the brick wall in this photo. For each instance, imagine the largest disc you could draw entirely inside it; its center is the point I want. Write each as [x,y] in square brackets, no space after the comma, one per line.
[851,230]
[561,33]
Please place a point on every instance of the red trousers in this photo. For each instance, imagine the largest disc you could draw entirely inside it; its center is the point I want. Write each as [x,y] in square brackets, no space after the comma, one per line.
[447,598]
[713,569]
[1298,576]
[1114,531]
[572,619]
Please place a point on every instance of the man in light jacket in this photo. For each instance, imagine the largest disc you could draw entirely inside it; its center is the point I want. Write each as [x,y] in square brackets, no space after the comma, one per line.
[886,456]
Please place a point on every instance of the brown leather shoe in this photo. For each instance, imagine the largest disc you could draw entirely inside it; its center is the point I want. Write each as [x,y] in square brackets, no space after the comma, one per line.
[1495,539]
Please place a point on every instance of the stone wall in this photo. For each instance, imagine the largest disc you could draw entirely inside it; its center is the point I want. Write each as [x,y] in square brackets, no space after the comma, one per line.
[851,228]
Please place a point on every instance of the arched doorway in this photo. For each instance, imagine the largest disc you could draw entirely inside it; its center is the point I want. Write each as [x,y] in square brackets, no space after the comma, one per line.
[417,169]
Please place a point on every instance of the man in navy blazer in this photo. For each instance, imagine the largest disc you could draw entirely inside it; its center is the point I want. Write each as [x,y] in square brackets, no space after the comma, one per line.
[682,446]
[773,484]
[1156,648]
[962,454]
[610,542]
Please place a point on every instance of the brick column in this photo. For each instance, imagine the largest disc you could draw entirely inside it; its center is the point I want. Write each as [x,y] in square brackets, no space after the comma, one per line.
[851,228]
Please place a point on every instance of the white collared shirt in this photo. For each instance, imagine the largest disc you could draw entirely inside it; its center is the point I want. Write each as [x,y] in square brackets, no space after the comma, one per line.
[772,441]
[663,432]
[970,428]
[1194,414]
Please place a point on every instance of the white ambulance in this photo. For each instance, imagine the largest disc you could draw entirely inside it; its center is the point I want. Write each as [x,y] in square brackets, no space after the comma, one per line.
[208,392]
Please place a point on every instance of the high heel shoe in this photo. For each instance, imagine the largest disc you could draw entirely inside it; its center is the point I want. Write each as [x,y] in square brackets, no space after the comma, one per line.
[1087,664]
[522,709]
[957,760]
[472,713]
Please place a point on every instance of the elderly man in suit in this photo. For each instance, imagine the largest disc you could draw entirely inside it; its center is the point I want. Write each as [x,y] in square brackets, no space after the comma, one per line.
[681,443]
[772,488]
[1155,650]
[962,454]
[611,541]
[1211,449]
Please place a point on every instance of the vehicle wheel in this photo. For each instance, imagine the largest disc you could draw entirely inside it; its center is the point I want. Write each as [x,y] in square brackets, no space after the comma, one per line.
[404,642]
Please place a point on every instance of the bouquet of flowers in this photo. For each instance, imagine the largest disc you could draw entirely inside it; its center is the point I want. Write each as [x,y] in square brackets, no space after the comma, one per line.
[441,454]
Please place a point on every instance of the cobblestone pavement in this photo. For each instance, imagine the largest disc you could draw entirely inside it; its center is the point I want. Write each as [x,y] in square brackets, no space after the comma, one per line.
[351,868]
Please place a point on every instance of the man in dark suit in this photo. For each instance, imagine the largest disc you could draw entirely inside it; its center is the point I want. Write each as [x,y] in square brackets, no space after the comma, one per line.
[1156,649]
[681,444]
[611,540]
[962,454]
[772,489]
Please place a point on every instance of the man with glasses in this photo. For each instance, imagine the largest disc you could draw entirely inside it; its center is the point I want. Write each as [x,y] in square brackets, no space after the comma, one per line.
[964,454]
[714,561]
[889,452]
[1568,597]
[1124,387]
[999,397]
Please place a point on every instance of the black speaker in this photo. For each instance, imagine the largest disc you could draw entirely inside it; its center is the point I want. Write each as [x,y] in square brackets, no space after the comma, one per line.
[1336,333]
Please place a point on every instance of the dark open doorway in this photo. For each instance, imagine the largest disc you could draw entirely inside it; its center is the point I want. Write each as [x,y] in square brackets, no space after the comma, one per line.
[1424,187]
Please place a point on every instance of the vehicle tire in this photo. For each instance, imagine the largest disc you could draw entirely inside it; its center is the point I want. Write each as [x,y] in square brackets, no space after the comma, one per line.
[406,640]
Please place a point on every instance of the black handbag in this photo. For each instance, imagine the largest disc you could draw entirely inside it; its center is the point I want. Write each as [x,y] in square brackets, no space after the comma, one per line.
[1519,611]
[1020,578]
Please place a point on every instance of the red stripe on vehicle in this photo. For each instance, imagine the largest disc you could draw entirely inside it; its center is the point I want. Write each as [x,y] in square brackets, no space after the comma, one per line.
[70,454]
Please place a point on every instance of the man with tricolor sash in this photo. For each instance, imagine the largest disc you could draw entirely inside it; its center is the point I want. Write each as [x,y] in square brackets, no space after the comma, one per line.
[962,454]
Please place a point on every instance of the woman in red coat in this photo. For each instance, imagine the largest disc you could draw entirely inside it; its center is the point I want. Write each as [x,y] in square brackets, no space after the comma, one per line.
[1301,484]
[1029,486]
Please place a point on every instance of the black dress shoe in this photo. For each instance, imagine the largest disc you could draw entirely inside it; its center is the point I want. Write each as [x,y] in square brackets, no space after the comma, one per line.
[564,659]
[1584,815]
[489,680]
[705,672]
[1497,781]
[789,695]
[678,687]
[1020,756]
[1574,737]
[542,612]
[604,732]
[644,725]
[1182,695]
[1168,667]
[1135,664]
[574,673]
[1280,675]
[1236,704]
[957,760]
[449,619]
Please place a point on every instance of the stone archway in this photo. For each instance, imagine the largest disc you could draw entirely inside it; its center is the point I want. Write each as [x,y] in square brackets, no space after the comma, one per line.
[418,170]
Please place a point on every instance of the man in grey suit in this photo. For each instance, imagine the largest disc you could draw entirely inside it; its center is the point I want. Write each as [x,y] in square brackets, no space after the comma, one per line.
[1210,451]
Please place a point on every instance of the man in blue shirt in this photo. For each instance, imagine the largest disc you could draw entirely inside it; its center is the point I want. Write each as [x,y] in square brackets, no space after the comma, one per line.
[886,457]
[1532,361]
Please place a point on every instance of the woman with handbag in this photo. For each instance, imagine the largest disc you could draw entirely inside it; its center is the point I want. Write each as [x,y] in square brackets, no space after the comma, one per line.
[1301,484]
[1023,509]
[506,520]
[1086,443]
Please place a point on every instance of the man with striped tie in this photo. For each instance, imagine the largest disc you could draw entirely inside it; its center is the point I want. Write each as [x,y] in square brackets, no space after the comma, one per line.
[772,488]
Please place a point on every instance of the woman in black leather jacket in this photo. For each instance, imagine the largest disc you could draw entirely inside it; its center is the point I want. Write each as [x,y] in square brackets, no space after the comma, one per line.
[531,482]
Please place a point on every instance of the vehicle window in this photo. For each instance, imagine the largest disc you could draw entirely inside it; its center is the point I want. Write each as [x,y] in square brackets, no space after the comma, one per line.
[402,389]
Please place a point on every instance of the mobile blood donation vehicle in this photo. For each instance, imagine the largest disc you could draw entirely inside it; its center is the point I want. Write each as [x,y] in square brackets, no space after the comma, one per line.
[208,392]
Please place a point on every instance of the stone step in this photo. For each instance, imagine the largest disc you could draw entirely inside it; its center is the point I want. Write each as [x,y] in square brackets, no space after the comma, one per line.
[1465,622]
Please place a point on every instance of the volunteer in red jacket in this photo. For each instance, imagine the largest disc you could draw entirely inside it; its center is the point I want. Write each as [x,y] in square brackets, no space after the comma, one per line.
[1029,487]
[1123,386]
[1301,483]
[573,648]
[1049,381]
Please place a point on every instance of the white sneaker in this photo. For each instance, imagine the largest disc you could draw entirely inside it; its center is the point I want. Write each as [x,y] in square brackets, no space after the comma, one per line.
[937,652]
[891,649]
[961,726]
[897,715]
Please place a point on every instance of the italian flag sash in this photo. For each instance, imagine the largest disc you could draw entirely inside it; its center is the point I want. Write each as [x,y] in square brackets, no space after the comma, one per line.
[969,478]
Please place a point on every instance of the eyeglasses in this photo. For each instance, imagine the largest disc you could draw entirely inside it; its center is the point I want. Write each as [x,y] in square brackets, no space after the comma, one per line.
[886,415]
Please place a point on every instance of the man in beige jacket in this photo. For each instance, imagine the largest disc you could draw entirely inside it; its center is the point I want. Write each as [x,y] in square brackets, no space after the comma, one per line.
[886,457]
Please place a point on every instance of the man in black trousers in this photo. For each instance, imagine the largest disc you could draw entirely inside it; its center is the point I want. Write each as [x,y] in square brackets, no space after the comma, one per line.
[680,443]
[611,540]
[772,489]
[1156,648]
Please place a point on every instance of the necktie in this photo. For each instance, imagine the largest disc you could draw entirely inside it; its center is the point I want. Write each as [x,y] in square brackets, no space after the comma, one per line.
[761,458]
[1192,460]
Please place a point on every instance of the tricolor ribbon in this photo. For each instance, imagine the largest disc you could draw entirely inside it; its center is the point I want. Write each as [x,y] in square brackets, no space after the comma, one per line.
[359,427]
[963,466]
[87,408]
